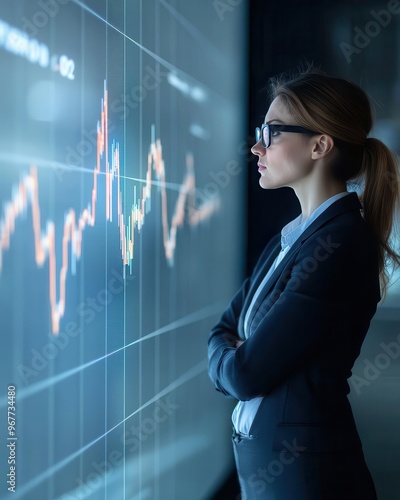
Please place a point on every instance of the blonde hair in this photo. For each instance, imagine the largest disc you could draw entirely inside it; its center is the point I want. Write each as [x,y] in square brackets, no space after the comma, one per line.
[343,110]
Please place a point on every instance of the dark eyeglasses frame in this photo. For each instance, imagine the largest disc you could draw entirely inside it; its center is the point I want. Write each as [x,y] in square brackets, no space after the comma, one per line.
[279,128]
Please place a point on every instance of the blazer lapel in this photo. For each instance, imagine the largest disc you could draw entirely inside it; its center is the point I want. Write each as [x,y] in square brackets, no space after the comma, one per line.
[256,281]
[347,203]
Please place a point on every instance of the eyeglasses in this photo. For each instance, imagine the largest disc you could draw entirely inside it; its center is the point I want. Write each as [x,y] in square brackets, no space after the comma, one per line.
[266,130]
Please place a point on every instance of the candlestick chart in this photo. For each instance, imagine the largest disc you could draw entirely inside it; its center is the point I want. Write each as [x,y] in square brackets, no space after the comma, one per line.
[121,241]
[26,193]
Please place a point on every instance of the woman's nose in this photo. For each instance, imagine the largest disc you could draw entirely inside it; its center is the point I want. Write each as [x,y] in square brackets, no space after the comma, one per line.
[258,148]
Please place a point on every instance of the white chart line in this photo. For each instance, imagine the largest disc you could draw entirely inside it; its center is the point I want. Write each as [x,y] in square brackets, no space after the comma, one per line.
[55,165]
[152,54]
[199,315]
[190,374]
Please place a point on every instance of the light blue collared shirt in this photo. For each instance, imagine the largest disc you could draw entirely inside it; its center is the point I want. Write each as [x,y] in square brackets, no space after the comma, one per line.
[245,411]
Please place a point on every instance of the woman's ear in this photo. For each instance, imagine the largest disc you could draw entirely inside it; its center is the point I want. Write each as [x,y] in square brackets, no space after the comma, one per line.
[321,146]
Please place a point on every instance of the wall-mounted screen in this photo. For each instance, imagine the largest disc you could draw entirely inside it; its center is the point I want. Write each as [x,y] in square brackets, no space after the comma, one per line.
[121,219]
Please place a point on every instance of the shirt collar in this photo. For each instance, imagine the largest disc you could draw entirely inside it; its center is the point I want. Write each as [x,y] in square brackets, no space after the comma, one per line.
[295,228]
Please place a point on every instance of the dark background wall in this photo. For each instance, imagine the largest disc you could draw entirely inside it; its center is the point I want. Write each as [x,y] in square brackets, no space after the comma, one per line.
[281,36]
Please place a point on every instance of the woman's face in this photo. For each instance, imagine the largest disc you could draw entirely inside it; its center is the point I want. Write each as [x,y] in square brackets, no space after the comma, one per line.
[287,161]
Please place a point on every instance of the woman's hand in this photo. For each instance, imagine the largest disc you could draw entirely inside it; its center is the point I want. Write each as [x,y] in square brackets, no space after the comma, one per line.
[238,343]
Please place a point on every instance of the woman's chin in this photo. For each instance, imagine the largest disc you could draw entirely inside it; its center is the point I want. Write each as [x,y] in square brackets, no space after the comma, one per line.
[265,183]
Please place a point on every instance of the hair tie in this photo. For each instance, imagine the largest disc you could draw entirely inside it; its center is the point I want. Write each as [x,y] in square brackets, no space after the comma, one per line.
[367,141]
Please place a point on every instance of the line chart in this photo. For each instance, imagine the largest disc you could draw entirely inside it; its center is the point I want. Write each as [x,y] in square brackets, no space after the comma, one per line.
[186,377]
[122,239]
[26,194]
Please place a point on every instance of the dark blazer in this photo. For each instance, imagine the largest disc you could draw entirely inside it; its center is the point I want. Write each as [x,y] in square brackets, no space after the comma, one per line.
[306,331]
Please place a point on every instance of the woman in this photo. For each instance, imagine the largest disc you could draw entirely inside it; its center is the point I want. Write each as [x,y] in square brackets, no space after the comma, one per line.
[286,344]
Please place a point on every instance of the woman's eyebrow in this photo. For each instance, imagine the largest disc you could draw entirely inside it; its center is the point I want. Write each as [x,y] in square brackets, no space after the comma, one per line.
[274,120]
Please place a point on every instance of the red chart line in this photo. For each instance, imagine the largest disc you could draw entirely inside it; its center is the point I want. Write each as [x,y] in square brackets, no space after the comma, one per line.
[26,194]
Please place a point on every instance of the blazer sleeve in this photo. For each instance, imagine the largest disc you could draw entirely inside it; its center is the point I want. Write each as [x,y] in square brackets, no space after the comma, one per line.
[307,313]
[224,335]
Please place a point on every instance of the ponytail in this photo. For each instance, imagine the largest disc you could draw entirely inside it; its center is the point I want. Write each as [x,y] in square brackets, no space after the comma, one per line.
[380,199]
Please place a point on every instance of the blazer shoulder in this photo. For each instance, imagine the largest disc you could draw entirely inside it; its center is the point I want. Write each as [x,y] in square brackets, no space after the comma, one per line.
[345,220]
[349,227]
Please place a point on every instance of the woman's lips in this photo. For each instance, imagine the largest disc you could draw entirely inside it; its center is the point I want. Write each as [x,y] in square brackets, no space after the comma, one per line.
[261,167]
